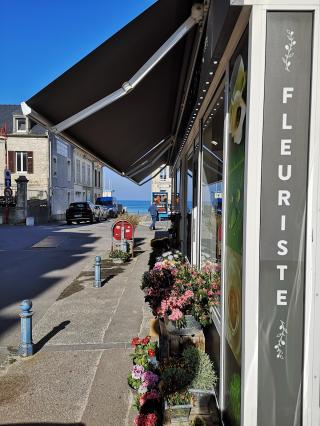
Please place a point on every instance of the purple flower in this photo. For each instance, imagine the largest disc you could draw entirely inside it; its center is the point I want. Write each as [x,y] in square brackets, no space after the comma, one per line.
[149,379]
[137,372]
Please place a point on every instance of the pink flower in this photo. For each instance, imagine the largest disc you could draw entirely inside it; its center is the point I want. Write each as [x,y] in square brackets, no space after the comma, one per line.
[146,419]
[188,294]
[176,314]
[153,394]
[137,372]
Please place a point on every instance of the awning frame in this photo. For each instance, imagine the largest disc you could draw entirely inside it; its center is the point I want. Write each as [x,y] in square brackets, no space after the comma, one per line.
[195,18]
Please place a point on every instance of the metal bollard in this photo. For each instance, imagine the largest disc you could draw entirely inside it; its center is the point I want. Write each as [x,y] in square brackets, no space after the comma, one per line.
[97,272]
[26,344]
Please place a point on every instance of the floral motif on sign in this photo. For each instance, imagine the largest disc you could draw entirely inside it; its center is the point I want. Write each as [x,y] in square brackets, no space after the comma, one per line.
[286,59]
[281,340]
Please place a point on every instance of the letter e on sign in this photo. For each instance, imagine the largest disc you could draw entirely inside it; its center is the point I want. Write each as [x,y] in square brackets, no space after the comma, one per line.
[282,297]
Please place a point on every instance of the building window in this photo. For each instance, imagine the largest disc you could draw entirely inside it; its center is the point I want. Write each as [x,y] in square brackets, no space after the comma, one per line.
[21,124]
[88,175]
[21,161]
[83,177]
[54,166]
[77,177]
[95,178]
[163,174]
[99,178]
[69,170]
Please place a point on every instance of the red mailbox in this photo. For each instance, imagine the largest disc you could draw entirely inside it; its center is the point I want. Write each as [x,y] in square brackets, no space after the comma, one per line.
[122,232]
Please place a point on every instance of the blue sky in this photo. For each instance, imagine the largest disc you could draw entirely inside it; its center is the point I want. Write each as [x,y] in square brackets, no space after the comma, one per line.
[40,39]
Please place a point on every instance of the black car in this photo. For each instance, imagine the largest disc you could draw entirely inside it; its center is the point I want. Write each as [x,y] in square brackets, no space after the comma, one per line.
[82,211]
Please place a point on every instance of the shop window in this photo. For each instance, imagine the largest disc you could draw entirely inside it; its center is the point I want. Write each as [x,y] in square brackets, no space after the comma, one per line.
[178,190]
[189,200]
[212,186]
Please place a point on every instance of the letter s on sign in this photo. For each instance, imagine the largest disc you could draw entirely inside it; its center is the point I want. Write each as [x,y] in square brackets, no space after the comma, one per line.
[283,250]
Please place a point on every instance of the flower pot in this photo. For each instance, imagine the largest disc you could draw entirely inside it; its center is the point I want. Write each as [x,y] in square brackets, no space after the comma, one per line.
[202,401]
[191,328]
[177,413]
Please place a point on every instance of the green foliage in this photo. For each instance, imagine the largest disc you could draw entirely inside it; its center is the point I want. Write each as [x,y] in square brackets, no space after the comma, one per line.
[133,383]
[203,374]
[119,254]
[179,398]
[175,379]
[235,398]
[141,355]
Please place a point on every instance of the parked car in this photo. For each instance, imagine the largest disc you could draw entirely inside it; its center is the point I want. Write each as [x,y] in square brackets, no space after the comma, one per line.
[103,212]
[110,203]
[82,211]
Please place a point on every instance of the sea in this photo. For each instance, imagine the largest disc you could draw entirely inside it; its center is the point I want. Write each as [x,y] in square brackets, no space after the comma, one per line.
[135,206]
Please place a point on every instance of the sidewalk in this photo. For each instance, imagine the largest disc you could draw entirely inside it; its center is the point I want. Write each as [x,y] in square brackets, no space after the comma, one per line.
[79,374]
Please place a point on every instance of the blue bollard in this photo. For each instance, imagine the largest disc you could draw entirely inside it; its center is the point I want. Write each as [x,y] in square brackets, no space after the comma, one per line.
[97,272]
[26,344]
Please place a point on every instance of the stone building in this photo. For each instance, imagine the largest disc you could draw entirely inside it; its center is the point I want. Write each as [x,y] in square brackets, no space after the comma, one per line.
[27,152]
[57,172]
[162,182]
[88,182]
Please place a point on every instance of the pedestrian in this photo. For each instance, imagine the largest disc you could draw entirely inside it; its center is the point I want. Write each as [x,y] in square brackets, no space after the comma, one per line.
[153,213]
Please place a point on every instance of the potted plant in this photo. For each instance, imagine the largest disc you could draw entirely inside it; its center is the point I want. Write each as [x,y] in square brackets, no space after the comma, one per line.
[177,407]
[204,378]
[175,379]
[119,256]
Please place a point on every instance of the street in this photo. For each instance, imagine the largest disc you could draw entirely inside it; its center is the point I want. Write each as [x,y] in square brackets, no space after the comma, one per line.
[38,262]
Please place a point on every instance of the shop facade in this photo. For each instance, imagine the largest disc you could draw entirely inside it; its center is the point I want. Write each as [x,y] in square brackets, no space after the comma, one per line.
[238,123]
[246,187]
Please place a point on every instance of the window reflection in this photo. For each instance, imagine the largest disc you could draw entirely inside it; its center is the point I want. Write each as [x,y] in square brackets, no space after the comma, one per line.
[212,185]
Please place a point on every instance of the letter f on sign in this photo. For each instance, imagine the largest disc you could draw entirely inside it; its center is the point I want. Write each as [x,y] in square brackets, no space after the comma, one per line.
[286,94]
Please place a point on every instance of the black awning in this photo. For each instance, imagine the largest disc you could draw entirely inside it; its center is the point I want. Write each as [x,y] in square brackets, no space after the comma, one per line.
[124,131]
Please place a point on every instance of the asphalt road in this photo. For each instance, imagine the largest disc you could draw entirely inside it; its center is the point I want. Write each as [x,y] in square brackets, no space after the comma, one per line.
[38,262]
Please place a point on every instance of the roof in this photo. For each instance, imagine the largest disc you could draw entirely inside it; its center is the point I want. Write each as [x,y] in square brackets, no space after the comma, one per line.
[122,133]
[6,117]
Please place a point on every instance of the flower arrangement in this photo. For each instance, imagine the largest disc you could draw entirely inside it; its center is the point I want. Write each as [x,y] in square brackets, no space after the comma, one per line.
[174,289]
[144,351]
[144,377]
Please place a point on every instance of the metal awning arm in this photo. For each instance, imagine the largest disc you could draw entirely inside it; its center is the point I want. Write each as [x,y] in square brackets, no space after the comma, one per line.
[146,164]
[128,86]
